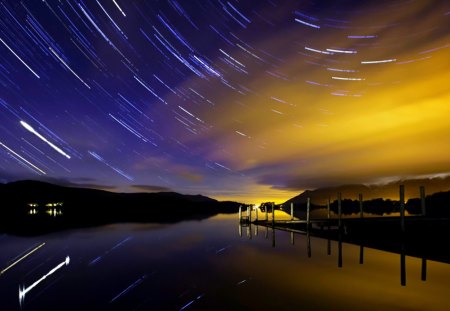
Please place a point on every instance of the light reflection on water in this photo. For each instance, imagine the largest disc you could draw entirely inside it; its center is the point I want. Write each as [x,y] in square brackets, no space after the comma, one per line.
[206,265]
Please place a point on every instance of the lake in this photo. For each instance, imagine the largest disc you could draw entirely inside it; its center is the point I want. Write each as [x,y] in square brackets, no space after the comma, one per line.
[207,265]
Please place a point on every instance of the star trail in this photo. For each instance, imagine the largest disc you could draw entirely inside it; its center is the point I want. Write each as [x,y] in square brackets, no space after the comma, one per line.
[242,100]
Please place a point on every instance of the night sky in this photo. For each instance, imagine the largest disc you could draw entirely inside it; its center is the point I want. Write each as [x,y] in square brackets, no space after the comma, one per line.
[244,100]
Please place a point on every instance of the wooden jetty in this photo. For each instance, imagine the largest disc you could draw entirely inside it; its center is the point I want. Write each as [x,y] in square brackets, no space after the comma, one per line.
[415,235]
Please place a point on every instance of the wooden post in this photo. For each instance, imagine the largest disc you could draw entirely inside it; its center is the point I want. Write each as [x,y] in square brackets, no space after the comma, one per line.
[292,238]
[402,265]
[361,212]
[292,210]
[328,208]
[422,200]
[267,212]
[308,242]
[248,212]
[256,214]
[308,207]
[273,237]
[339,249]
[402,207]
[424,269]
[328,233]
[240,213]
[329,245]
[339,209]
[361,254]
[273,213]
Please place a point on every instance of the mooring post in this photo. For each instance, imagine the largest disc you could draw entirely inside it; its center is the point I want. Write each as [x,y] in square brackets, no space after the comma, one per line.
[339,209]
[361,254]
[402,265]
[308,207]
[402,207]
[273,213]
[240,213]
[424,269]
[328,233]
[273,236]
[292,210]
[308,243]
[361,212]
[422,200]
[339,249]
[329,245]
[328,208]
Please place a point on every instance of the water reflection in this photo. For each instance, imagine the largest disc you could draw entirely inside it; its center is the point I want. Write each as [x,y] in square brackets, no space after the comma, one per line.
[307,234]
[209,265]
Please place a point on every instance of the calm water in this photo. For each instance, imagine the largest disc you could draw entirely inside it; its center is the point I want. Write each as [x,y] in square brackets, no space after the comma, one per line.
[207,266]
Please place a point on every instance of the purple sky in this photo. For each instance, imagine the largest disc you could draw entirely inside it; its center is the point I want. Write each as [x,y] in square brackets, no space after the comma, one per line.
[245,100]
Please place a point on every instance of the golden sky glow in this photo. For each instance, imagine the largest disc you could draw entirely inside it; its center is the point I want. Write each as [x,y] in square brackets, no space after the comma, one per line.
[394,122]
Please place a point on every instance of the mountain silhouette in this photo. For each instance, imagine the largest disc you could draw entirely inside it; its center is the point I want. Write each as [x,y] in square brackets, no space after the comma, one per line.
[25,206]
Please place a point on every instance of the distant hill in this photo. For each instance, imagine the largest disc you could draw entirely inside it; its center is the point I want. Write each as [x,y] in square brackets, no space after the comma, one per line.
[39,204]
[386,191]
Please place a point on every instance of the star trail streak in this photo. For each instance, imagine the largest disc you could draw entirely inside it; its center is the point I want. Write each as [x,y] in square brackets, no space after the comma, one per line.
[241,100]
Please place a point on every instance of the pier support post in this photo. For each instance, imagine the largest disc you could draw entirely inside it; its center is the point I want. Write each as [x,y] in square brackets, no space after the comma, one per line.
[361,212]
[240,213]
[328,233]
[267,212]
[292,210]
[248,212]
[361,254]
[256,214]
[273,213]
[424,269]
[308,207]
[292,238]
[402,265]
[308,243]
[328,208]
[273,236]
[422,200]
[402,207]
[339,209]
[339,249]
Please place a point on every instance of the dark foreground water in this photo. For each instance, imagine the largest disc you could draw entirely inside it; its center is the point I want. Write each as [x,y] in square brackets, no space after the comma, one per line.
[207,266]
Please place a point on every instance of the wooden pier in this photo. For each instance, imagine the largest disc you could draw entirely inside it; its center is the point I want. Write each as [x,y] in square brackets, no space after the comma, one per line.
[415,235]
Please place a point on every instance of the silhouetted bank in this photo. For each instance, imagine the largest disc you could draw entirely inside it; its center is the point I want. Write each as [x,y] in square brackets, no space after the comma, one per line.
[33,207]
